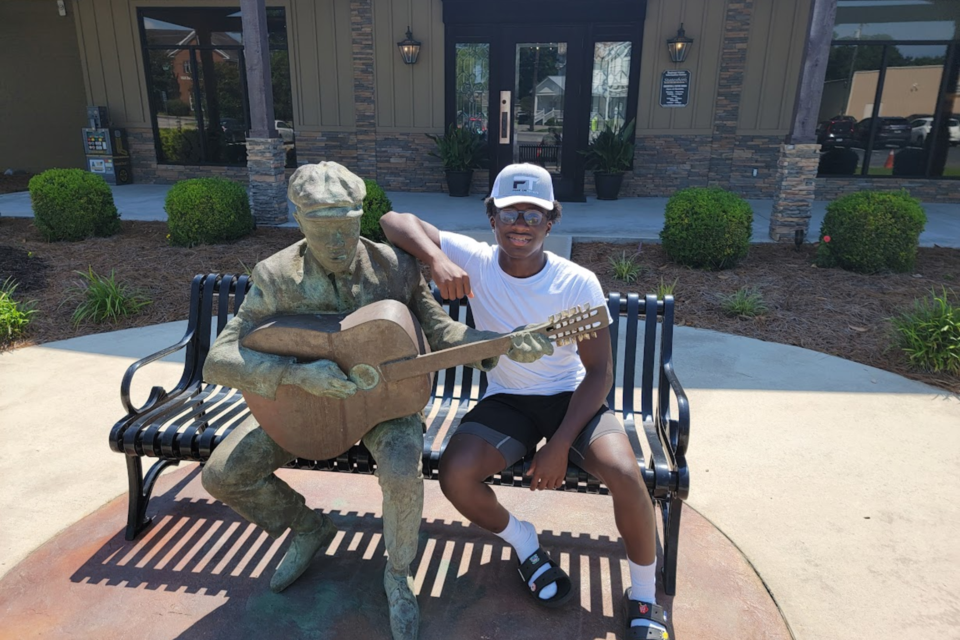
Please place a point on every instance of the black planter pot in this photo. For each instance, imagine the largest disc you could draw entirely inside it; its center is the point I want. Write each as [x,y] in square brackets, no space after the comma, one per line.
[458,183]
[608,185]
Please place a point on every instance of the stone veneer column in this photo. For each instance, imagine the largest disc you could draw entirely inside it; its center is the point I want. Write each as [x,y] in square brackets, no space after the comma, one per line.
[733,61]
[361,27]
[796,188]
[266,158]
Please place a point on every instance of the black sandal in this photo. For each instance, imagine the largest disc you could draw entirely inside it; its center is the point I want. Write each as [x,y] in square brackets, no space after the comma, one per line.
[640,610]
[553,574]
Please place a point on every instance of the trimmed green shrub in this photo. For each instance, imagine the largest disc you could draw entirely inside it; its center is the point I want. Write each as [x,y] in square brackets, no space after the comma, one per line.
[707,228]
[207,211]
[929,334]
[103,298]
[870,232]
[14,315]
[375,204]
[72,204]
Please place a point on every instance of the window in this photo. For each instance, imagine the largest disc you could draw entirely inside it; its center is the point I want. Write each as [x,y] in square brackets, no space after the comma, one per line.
[472,86]
[890,93]
[197,83]
[610,85]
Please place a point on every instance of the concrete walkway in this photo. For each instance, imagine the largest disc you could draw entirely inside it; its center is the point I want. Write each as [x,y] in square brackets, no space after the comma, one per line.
[627,219]
[835,479]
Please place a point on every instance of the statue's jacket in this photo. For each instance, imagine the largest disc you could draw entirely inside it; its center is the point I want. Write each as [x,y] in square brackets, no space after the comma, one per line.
[292,281]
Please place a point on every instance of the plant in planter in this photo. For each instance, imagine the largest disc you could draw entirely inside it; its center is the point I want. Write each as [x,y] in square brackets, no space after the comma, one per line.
[609,155]
[461,150]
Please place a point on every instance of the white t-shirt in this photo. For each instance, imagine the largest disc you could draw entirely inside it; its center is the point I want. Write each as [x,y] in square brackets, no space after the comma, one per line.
[502,303]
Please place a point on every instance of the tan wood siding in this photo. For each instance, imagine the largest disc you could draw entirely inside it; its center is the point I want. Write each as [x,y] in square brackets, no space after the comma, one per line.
[774,55]
[409,98]
[703,21]
[322,77]
[42,90]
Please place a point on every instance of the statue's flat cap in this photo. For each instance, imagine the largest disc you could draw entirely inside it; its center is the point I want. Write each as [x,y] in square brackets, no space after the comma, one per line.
[326,188]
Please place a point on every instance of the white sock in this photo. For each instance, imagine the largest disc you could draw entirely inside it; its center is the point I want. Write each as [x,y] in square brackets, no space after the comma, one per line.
[643,586]
[522,536]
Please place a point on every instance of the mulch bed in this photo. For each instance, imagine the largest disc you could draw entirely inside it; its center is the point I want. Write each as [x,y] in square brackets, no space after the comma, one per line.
[827,310]
[12,184]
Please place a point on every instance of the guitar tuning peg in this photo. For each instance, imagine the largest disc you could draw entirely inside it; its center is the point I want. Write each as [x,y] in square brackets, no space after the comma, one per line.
[594,334]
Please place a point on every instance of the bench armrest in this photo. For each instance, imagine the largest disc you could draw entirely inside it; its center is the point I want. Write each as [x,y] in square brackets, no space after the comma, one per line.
[677,432]
[156,393]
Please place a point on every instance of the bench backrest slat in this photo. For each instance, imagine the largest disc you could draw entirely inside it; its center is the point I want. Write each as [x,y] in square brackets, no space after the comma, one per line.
[223,293]
[613,306]
[630,355]
[649,347]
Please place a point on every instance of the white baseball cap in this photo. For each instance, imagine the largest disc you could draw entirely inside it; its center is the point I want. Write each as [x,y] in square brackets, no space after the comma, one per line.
[526,182]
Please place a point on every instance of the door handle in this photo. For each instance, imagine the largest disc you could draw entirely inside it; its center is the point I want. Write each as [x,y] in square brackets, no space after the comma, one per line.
[505,117]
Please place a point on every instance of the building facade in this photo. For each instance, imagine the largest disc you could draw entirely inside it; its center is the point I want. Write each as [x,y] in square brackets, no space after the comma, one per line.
[538,79]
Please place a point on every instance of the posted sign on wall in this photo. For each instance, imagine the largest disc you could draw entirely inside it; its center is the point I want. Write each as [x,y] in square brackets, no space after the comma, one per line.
[674,88]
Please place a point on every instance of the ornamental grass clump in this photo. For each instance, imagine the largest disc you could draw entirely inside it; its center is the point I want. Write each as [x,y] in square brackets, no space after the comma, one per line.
[929,334]
[72,205]
[707,228]
[665,289]
[207,211]
[104,299]
[625,268]
[15,315]
[871,232]
[747,302]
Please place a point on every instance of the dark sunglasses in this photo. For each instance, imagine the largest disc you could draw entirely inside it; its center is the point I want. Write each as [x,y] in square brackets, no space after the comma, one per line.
[531,216]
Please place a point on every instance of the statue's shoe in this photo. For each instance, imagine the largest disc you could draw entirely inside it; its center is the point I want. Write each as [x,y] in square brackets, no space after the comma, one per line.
[304,547]
[404,610]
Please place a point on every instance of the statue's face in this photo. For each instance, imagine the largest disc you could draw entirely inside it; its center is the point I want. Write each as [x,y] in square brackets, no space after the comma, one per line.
[332,240]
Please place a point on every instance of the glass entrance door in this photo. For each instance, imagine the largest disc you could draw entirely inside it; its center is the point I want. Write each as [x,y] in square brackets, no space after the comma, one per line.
[539,112]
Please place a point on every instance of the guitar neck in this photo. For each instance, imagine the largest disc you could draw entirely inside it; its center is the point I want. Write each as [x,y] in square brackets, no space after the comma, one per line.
[563,328]
[452,357]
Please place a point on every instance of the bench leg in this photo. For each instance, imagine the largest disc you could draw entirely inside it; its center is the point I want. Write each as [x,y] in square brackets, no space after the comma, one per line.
[140,488]
[670,508]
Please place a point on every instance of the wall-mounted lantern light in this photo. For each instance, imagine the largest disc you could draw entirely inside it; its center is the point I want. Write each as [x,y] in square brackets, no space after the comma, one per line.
[679,45]
[409,48]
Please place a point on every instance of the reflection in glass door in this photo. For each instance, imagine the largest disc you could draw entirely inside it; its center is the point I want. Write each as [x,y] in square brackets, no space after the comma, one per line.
[610,86]
[540,73]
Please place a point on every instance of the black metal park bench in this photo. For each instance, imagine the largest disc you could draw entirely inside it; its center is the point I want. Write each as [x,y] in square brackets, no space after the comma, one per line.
[187,422]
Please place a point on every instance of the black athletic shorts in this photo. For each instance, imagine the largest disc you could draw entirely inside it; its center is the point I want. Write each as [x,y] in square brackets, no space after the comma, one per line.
[515,424]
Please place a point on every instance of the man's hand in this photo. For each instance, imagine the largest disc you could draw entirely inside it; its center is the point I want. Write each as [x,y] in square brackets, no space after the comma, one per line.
[549,466]
[452,281]
[529,346]
[321,378]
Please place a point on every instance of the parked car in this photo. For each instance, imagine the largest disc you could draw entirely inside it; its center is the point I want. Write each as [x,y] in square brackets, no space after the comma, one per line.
[920,129]
[836,132]
[891,132]
[285,129]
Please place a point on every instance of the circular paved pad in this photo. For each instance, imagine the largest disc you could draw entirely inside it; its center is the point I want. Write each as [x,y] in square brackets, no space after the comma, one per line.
[200,571]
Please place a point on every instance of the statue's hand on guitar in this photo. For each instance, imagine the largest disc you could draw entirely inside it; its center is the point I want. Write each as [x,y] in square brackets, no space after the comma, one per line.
[320,378]
[525,346]
[528,346]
